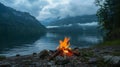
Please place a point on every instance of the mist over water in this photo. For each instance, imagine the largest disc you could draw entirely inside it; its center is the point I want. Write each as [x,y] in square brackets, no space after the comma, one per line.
[79,24]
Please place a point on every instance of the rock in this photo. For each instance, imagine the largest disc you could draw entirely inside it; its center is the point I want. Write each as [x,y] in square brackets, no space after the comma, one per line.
[62,62]
[107,58]
[26,61]
[107,51]
[92,60]
[51,52]
[34,54]
[59,58]
[43,54]
[5,65]
[17,55]
[115,59]
[112,59]
[51,63]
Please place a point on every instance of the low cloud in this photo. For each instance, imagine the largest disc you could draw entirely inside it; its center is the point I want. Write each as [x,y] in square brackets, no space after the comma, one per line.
[52,9]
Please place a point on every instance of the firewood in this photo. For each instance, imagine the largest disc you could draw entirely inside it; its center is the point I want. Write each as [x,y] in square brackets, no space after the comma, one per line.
[55,54]
[76,52]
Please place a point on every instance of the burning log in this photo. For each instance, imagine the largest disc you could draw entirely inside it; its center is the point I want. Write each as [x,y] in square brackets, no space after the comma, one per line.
[64,47]
[64,50]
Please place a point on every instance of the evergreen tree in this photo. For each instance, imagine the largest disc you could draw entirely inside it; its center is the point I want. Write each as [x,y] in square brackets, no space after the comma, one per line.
[109,17]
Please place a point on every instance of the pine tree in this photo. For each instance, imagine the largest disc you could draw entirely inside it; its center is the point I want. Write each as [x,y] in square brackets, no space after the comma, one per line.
[109,17]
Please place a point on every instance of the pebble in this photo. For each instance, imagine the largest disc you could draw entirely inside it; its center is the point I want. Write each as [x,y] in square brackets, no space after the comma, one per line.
[92,60]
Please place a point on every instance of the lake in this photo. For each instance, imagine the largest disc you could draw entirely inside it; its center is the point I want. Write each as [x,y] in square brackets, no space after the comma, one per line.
[49,41]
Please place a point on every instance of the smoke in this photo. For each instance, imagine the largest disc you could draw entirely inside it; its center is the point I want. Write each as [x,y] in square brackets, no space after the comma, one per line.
[52,9]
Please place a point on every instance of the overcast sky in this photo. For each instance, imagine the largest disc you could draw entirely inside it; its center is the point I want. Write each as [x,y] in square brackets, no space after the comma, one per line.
[51,9]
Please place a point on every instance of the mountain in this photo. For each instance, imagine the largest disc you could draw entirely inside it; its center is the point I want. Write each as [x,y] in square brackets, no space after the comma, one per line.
[18,24]
[75,25]
[74,20]
[89,28]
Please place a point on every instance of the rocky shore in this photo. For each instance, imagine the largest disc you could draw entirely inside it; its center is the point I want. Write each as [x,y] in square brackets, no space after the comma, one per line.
[87,57]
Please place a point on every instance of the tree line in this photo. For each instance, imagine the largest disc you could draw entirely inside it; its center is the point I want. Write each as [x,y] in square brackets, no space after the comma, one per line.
[109,17]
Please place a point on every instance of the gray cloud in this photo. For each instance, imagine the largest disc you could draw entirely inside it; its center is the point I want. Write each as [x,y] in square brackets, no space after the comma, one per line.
[51,9]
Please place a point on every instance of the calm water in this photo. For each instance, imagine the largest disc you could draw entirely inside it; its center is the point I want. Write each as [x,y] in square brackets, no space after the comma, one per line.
[50,41]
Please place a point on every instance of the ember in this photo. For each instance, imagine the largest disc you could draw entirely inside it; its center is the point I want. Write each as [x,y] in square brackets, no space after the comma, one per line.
[64,47]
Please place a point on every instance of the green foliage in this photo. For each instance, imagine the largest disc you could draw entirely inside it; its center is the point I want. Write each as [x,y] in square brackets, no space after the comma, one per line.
[109,43]
[108,16]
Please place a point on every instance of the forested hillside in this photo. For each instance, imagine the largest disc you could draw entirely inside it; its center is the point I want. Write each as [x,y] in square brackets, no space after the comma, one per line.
[14,23]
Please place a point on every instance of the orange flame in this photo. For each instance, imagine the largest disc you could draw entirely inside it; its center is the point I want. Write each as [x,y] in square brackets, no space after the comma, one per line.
[64,47]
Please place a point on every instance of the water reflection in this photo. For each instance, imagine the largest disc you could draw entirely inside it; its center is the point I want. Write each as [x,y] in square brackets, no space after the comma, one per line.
[49,41]
[7,43]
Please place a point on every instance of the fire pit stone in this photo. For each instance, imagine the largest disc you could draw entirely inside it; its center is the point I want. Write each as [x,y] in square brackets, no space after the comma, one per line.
[43,54]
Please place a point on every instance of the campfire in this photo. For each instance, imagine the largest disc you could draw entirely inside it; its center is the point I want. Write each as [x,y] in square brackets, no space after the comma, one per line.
[64,47]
